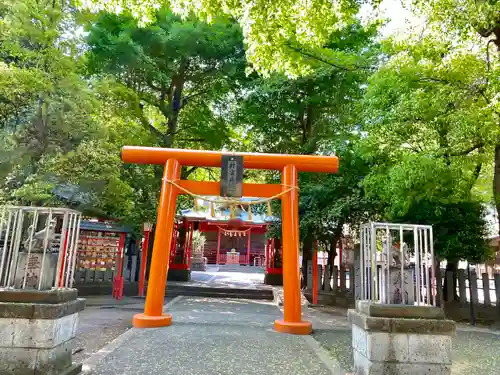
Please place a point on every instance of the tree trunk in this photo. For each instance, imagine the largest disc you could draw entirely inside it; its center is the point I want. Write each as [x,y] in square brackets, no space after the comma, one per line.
[332,254]
[496,179]
[451,265]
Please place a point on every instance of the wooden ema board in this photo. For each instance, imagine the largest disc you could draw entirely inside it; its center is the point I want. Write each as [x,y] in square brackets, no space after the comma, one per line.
[98,250]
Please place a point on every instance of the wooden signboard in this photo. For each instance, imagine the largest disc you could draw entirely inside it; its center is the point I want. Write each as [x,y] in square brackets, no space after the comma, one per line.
[231,183]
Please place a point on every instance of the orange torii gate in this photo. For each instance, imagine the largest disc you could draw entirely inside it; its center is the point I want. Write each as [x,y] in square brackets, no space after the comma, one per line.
[173,160]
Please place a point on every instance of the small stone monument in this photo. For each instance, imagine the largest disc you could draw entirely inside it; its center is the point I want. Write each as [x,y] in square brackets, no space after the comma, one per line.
[400,339]
[198,261]
[37,264]
[37,329]
[310,274]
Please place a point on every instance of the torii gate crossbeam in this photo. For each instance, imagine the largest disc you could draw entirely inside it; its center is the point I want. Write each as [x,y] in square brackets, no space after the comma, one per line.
[173,160]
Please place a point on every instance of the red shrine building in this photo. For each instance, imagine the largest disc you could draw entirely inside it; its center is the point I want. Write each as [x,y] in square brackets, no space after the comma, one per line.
[230,238]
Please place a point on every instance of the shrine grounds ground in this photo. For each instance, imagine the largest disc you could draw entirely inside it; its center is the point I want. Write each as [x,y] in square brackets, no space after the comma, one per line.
[233,336]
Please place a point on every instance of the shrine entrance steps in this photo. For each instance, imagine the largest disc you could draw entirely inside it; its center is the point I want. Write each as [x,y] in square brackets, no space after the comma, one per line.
[212,337]
[175,289]
[223,282]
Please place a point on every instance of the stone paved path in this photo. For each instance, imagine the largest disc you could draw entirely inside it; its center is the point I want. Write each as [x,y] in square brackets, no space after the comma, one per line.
[102,321]
[231,276]
[105,318]
[215,337]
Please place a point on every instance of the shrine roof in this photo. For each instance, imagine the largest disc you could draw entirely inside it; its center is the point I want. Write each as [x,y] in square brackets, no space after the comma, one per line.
[103,227]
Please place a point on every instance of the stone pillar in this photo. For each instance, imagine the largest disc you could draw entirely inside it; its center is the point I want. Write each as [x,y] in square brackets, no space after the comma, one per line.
[357,273]
[309,281]
[400,339]
[37,329]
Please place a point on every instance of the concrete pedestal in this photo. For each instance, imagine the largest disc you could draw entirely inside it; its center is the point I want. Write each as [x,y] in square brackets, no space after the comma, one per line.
[198,263]
[400,340]
[36,331]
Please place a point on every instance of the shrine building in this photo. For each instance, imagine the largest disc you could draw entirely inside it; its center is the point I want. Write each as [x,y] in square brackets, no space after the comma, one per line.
[231,237]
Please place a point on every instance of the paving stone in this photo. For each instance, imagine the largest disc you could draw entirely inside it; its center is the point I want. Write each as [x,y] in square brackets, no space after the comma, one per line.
[215,337]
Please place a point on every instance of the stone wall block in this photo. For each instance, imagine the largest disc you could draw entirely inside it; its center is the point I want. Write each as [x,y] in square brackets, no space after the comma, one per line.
[52,361]
[64,328]
[359,340]
[7,330]
[34,333]
[362,365]
[430,348]
[387,347]
[75,325]
[17,361]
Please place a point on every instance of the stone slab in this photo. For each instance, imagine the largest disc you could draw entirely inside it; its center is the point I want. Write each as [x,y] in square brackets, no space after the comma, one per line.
[25,361]
[37,333]
[74,369]
[40,311]
[378,310]
[405,325]
[430,349]
[363,366]
[54,360]
[38,296]
[402,347]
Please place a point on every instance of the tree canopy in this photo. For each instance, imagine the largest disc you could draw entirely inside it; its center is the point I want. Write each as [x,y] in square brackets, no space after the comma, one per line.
[277,33]
[413,118]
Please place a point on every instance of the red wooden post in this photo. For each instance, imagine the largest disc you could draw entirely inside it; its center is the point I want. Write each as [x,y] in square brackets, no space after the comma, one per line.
[190,242]
[144,259]
[272,252]
[248,246]
[186,236]
[118,281]
[315,273]
[218,246]
[65,249]
[267,254]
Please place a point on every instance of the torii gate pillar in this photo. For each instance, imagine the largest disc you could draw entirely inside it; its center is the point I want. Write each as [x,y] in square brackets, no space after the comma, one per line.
[173,159]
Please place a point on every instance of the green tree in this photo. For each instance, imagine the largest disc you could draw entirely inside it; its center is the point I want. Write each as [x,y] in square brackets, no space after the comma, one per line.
[171,74]
[478,24]
[430,130]
[273,30]
[45,107]
[316,114]
[59,143]
[330,202]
